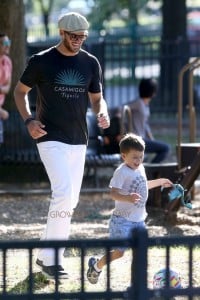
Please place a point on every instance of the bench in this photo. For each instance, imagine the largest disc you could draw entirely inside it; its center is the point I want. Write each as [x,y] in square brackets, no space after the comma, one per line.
[19,157]
[19,152]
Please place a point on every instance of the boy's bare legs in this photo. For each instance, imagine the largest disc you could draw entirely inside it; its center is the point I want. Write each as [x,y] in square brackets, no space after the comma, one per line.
[112,255]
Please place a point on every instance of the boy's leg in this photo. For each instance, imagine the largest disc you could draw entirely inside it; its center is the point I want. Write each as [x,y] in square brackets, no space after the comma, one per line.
[96,265]
[113,255]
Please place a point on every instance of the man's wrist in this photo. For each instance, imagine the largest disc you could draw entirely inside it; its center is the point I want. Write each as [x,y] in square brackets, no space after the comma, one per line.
[28,120]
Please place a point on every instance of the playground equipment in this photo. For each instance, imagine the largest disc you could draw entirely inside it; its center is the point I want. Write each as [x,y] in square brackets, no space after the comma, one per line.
[126,119]
[188,154]
[187,168]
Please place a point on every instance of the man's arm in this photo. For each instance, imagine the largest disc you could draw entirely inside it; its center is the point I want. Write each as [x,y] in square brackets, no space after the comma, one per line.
[99,107]
[21,100]
[149,132]
[35,128]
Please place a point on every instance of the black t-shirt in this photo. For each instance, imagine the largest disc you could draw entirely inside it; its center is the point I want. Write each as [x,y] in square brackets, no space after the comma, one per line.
[62,84]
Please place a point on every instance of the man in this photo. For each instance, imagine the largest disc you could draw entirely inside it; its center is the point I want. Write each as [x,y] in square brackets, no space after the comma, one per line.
[140,118]
[66,77]
[5,78]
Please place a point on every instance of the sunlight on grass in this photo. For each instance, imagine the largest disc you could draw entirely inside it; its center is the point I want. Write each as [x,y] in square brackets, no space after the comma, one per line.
[39,282]
[17,280]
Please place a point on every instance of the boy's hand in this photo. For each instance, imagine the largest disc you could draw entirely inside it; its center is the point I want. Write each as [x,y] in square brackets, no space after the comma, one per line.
[164,183]
[133,198]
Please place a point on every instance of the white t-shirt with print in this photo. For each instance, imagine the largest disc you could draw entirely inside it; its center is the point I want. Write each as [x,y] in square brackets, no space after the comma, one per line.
[130,181]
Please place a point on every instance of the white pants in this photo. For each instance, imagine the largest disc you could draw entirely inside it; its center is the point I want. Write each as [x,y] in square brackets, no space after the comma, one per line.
[64,165]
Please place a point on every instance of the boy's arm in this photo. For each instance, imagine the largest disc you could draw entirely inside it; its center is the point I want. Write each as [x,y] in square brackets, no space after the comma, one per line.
[163,182]
[117,196]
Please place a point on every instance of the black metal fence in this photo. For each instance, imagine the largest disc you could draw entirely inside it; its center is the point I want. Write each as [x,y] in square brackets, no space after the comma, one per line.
[125,61]
[19,158]
[139,287]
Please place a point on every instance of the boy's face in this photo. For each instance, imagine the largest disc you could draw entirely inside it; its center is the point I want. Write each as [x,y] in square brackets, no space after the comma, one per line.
[133,159]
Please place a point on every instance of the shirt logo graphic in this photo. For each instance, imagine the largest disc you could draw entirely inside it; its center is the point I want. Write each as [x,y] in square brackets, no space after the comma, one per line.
[70,77]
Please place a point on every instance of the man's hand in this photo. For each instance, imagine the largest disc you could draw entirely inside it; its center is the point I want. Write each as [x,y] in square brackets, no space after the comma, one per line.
[103,120]
[35,129]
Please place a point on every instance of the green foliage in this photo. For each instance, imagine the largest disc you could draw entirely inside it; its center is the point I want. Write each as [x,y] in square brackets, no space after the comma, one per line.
[46,6]
[33,6]
[39,282]
[126,10]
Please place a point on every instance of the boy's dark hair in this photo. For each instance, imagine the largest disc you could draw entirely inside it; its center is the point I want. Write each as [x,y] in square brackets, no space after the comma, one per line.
[147,88]
[131,141]
[2,34]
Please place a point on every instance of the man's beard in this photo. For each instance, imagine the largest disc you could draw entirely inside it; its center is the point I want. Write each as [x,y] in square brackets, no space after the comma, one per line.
[71,48]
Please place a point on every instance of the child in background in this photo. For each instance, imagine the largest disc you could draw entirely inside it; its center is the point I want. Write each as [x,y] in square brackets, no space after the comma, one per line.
[129,189]
[5,79]
[141,114]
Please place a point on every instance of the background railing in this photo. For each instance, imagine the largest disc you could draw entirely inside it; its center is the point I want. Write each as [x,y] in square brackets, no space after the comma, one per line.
[140,273]
[125,61]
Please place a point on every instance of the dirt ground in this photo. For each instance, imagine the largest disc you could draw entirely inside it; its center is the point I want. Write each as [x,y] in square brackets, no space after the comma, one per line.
[23,216]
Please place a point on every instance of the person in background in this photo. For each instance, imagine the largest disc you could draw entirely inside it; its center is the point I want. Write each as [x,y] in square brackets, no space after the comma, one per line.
[112,135]
[66,78]
[129,189]
[140,110]
[5,78]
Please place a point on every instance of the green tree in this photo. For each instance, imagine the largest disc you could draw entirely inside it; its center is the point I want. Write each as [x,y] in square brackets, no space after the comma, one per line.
[46,7]
[173,36]
[126,10]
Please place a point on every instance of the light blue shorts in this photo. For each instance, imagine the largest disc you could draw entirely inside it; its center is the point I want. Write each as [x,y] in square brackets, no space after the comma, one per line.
[121,228]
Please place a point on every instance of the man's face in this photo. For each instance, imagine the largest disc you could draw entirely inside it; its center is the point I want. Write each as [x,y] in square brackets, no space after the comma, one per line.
[73,41]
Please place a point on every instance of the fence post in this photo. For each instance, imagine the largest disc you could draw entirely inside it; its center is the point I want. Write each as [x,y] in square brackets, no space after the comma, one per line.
[138,289]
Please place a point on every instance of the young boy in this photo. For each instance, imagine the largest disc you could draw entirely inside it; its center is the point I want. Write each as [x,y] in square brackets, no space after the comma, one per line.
[129,189]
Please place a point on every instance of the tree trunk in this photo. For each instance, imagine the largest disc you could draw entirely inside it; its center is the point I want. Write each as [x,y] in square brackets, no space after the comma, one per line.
[174,45]
[174,19]
[12,23]
[46,10]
